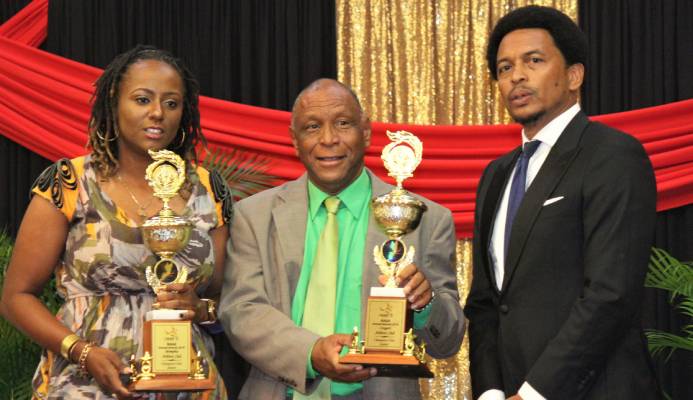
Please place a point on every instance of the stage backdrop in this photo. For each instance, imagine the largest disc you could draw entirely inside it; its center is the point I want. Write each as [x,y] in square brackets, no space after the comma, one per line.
[457,155]
[44,106]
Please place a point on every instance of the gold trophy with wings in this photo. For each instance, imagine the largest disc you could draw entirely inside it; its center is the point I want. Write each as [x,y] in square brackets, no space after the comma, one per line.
[389,342]
[169,362]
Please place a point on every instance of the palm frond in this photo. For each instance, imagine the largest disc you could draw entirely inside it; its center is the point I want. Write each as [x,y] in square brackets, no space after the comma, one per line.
[659,342]
[246,173]
[667,273]
[686,306]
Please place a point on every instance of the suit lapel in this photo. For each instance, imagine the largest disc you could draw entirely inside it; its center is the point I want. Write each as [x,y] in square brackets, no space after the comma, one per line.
[552,171]
[491,201]
[290,220]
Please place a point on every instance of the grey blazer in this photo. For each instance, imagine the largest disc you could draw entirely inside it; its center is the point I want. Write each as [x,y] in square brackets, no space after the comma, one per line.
[265,257]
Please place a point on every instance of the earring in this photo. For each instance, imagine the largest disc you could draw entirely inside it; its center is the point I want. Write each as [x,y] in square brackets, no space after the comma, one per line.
[182,141]
[103,139]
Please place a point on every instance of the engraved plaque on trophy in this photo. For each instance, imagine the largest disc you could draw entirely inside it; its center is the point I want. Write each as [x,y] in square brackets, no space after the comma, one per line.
[168,362]
[389,343]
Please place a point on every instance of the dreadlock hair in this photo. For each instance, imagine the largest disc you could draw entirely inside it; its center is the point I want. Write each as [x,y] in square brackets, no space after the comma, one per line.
[103,123]
[569,39]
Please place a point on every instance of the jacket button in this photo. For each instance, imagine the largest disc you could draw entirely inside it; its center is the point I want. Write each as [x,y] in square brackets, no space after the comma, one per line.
[503,308]
[435,332]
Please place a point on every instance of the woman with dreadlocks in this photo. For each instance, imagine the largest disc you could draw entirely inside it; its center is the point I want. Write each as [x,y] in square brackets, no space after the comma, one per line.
[84,218]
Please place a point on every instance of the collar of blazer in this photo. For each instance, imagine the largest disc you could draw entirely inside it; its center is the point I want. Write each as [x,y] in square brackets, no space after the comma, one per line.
[289,217]
[552,171]
[560,157]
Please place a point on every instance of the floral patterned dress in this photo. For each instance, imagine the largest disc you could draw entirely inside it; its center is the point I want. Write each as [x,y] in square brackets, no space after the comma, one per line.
[101,273]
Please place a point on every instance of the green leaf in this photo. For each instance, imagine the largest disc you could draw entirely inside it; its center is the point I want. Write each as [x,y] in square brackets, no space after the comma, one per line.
[667,273]
[245,173]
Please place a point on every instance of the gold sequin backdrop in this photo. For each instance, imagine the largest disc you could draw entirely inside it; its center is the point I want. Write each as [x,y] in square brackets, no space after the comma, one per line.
[423,62]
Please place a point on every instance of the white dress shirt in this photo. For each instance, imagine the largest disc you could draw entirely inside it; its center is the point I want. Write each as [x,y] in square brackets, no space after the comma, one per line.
[548,136]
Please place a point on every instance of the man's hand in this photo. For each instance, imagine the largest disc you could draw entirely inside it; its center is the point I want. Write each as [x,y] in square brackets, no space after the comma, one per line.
[416,286]
[325,359]
[516,397]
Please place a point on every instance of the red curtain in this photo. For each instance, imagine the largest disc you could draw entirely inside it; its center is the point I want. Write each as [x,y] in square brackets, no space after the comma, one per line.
[44,106]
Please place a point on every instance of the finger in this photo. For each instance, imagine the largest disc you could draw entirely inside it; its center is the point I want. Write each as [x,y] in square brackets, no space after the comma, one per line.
[119,368]
[414,282]
[109,378]
[177,304]
[382,279]
[119,390]
[172,295]
[357,376]
[404,273]
[341,339]
[422,301]
[166,296]
[417,292]
[345,371]
[178,287]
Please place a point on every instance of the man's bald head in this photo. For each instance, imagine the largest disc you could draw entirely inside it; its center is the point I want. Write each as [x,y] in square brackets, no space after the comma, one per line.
[323,83]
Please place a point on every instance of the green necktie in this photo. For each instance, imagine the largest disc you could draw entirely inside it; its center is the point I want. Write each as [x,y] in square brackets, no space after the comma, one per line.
[321,296]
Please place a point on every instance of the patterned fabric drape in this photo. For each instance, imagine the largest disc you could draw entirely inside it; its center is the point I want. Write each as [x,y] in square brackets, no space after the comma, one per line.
[424,61]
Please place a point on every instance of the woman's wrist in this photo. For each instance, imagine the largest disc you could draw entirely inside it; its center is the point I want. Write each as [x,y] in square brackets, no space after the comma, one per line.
[76,350]
[83,355]
[67,344]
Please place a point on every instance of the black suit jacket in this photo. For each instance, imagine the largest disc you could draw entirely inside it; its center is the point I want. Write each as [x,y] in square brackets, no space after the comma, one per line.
[567,318]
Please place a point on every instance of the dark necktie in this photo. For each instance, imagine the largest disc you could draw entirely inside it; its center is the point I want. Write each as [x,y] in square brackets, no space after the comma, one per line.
[517,190]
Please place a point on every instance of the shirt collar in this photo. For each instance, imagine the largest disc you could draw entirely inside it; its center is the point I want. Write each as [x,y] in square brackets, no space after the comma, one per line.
[552,131]
[354,197]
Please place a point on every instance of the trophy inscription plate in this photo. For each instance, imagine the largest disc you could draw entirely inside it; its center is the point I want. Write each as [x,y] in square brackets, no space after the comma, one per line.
[390,343]
[171,347]
[385,322]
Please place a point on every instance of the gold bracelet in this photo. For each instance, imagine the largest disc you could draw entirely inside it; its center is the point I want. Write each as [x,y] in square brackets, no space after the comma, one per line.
[66,345]
[83,359]
[211,312]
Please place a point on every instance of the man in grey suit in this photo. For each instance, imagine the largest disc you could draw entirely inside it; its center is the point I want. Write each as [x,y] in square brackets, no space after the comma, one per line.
[273,242]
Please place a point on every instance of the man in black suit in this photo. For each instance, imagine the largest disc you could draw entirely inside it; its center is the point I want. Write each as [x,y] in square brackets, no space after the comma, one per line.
[563,229]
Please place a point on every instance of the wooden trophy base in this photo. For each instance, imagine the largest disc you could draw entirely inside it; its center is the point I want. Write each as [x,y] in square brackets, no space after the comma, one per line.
[390,364]
[174,383]
[388,319]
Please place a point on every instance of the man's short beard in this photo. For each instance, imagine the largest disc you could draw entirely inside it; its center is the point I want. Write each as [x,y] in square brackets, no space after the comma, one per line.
[529,120]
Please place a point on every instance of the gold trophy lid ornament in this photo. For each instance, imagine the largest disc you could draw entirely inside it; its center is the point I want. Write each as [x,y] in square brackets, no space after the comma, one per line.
[166,233]
[397,212]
